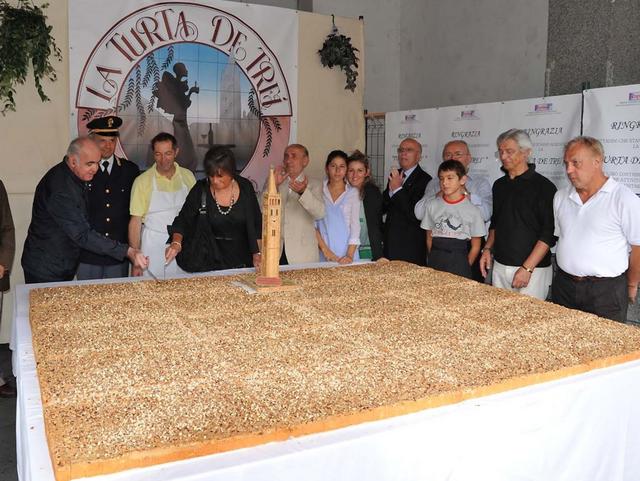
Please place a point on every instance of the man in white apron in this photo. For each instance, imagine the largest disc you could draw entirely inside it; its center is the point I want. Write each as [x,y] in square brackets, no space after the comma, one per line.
[156,199]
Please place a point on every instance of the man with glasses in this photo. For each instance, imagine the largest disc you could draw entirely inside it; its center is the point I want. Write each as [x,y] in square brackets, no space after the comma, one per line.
[522,225]
[403,238]
[478,187]
[478,191]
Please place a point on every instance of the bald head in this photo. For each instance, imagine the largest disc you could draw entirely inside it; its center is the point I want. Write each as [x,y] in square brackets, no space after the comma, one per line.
[296,159]
[409,153]
[457,150]
[83,157]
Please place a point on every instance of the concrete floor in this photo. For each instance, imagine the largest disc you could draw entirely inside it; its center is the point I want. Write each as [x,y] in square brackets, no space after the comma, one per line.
[7,424]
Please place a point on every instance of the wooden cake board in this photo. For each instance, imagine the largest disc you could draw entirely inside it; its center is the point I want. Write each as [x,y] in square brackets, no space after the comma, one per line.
[248,283]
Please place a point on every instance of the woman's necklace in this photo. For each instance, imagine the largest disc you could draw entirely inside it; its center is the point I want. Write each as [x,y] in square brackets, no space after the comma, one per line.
[231,203]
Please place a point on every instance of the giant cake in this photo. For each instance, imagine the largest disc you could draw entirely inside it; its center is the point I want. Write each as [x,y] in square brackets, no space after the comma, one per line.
[141,373]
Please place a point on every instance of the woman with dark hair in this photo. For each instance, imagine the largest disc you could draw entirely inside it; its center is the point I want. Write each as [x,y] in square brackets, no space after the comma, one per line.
[359,176]
[220,225]
[338,233]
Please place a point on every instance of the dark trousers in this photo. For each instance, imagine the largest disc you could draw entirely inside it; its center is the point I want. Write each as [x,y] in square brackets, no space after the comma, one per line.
[450,255]
[92,271]
[476,275]
[604,296]
[34,279]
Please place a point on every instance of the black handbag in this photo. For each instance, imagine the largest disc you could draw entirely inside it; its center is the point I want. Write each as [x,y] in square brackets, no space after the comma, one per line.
[200,251]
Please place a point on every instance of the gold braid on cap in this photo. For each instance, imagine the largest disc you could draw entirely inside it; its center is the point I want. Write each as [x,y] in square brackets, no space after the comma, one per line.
[97,131]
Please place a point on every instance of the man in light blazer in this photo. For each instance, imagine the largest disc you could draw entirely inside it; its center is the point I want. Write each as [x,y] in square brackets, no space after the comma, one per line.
[302,205]
[404,240]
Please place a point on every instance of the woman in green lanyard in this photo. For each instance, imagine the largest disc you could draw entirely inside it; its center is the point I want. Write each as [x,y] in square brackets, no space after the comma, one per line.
[359,176]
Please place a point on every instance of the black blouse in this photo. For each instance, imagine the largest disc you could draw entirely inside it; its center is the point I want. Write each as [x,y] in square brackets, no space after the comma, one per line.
[236,233]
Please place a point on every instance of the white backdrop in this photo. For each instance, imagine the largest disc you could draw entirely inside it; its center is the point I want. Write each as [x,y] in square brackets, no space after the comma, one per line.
[550,122]
[612,115]
[418,124]
[477,126]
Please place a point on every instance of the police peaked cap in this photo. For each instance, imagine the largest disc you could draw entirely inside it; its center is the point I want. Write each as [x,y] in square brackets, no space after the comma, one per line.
[107,126]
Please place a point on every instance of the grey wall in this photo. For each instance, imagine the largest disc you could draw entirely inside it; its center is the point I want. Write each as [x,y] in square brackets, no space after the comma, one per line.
[433,53]
[595,41]
[304,5]
[382,45]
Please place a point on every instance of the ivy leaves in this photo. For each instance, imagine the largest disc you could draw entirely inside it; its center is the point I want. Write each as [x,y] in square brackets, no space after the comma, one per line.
[25,39]
[337,51]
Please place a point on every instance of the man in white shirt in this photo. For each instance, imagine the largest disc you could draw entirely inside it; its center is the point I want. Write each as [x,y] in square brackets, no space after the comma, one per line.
[478,187]
[598,228]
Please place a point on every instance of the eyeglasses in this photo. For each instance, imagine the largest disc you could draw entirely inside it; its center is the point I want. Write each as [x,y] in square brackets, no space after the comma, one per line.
[401,150]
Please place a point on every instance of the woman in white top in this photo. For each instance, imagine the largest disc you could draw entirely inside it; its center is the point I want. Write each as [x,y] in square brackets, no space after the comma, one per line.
[338,233]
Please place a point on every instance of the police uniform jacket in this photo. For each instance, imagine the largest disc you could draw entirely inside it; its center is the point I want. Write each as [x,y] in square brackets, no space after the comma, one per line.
[109,206]
[60,228]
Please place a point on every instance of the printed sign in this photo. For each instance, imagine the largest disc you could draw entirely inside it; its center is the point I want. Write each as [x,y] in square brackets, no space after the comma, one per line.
[211,73]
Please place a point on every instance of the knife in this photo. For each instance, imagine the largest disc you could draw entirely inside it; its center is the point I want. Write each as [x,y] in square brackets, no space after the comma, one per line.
[152,275]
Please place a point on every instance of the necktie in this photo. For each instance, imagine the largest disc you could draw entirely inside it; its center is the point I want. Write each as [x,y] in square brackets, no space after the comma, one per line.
[105,164]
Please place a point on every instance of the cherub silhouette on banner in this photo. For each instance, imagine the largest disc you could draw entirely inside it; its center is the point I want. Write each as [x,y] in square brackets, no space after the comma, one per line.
[174,97]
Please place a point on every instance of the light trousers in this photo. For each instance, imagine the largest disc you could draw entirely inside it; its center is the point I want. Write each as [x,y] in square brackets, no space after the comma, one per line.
[538,286]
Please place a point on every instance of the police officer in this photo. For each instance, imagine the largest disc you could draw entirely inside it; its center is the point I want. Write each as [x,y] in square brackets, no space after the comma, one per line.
[109,193]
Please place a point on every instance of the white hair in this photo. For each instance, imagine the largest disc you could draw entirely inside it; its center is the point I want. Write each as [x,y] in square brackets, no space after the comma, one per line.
[519,136]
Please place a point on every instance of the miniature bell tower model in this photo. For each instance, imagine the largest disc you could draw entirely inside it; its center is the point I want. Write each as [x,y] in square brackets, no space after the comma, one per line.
[270,267]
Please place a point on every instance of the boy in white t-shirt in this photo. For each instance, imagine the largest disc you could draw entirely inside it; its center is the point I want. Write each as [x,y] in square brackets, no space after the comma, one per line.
[451,221]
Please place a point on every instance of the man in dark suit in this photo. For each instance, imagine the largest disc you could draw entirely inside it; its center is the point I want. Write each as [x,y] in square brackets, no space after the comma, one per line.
[109,193]
[403,238]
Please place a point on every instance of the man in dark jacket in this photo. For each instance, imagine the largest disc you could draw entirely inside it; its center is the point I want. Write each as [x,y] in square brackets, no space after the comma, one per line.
[7,251]
[404,239]
[109,193]
[60,227]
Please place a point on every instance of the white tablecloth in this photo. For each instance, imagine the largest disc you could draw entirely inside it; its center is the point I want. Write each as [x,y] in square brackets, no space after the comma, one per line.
[584,427]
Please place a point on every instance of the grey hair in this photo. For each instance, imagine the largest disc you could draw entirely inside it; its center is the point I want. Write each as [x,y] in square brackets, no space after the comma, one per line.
[76,145]
[416,142]
[593,144]
[519,136]
[455,141]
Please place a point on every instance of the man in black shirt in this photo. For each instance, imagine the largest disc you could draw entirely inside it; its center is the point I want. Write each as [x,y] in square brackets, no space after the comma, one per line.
[60,227]
[521,230]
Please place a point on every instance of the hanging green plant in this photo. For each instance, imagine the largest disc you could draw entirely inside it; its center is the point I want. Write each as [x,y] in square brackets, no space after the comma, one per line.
[25,39]
[338,51]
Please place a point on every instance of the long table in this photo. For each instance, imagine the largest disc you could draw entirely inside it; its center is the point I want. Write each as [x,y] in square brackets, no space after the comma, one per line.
[584,427]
